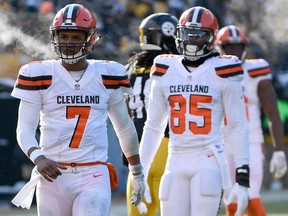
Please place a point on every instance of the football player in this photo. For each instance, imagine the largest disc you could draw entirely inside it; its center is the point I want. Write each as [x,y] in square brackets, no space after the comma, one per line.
[157,34]
[193,91]
[258,93]
[72,97]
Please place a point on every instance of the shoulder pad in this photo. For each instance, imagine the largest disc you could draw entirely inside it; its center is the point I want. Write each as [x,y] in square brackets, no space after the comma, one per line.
[228,66]
[33,76]
[114,75]
[257,67]
[161,64]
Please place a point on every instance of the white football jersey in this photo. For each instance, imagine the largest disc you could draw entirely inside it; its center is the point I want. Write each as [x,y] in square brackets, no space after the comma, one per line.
[195,102]
[73,115]
[255,70]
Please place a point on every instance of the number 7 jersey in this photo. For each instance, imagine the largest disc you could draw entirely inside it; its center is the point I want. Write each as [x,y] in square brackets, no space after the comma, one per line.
[73,114]
[196,102]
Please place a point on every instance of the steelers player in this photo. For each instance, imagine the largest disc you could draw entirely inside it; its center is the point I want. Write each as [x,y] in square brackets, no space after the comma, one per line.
[157,34]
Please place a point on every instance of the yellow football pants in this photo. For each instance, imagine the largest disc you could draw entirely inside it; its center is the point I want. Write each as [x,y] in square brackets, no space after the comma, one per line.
[155,173]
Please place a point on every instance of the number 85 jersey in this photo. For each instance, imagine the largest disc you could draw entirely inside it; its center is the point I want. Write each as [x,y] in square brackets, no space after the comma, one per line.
[73,114]
[195,100]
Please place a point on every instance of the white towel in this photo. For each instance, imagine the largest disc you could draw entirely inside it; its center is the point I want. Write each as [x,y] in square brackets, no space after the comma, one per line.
[25,196]
[220,157]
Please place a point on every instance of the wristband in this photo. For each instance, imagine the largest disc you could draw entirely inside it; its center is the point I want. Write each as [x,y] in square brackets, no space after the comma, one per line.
[35,154]
[242,175]
[136,169]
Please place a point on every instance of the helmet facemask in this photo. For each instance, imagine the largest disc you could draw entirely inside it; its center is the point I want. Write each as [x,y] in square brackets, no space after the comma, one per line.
[68,51]
[194,43]
[237,49]
[157,32]
[150,39]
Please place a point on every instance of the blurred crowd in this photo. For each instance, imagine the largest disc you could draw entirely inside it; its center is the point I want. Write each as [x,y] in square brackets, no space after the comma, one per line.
[118,22]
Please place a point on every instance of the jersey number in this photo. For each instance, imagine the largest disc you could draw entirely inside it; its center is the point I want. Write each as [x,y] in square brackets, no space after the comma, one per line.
[178,114]
[82,113]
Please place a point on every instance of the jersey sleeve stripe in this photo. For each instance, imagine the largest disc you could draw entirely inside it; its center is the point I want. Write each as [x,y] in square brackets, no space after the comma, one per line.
[115,82]
[259,71]
[159,69]
[230,70]
[33,83]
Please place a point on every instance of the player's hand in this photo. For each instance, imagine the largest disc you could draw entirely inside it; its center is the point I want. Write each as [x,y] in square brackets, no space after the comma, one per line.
[138,188]
[238,194]
[142,206]
[47,168]
[278,164]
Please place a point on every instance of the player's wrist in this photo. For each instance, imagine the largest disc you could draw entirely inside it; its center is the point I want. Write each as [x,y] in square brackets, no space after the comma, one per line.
[35,154]
[242,176]
[135,169]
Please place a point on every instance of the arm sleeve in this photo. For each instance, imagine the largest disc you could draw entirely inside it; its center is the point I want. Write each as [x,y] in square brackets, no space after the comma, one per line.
[124,128]
[28,119]
[237,124]
[157,117]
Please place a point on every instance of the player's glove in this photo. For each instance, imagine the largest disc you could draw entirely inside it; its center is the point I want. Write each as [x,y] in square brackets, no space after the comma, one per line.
[238,194]
[138,186]
[239,191]
[278,164]
[142,206]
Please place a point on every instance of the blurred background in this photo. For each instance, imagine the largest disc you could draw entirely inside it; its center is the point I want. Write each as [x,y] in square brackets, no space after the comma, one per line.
[25,37]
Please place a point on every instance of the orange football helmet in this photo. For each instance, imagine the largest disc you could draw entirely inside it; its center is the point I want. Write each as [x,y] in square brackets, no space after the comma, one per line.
[196,33]
[74,17]
[232,35]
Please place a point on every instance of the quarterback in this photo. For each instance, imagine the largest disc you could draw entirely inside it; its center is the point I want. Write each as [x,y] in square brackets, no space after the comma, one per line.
[71,99]
[258,93]
[192,92]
